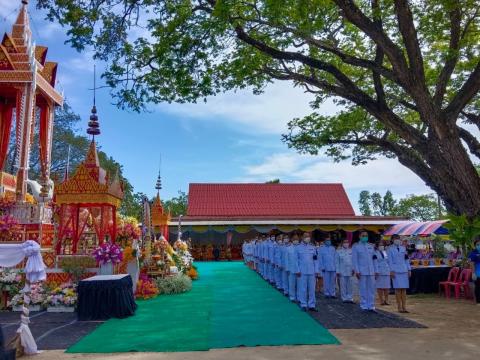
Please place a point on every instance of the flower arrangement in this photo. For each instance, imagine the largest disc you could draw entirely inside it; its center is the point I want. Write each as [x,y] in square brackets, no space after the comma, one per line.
[180,245]
[108,253]
[10,280]
[6,203]
[146,288]
[193,273]
[37,296]
[9,228]
[128,229]
[176,284]
[63,295]
[129,254]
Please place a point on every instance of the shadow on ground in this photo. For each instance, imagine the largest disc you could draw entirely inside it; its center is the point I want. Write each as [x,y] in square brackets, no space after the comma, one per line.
[334,314]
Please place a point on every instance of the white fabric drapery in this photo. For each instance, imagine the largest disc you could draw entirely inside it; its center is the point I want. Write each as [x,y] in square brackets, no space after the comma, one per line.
[11,255]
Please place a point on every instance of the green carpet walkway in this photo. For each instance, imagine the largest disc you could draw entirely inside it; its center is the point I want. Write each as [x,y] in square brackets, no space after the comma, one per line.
[228,306]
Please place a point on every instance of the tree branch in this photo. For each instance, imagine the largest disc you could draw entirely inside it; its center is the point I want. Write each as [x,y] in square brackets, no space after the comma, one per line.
[471,141]
[395,55]
[410,39]
[452,56]
[470,88]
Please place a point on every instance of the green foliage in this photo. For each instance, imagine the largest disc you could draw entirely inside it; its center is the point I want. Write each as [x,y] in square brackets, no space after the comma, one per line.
[415,207]
[176,284]
[274,181]
[438,246]
[364,203]
[403,74]
[177,205]
[76,266]
[463,231]
[419,207]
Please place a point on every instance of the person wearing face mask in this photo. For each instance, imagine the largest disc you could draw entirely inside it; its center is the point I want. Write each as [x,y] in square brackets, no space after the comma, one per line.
[326,266]
[255,254]
[283,261]
[307,263]
[382,277]
[344,269]
[400,271]
[365,269]
[271,256]
[291,264]
[261,256]
[474,257]
[277,262]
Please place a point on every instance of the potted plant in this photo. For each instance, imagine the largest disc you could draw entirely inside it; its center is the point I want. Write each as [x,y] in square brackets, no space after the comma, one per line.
[107,255]
[62,298]
[463,231]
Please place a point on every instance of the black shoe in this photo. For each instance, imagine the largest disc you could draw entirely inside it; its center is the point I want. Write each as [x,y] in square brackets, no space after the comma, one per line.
[373,311]
[313,309]
[333,297]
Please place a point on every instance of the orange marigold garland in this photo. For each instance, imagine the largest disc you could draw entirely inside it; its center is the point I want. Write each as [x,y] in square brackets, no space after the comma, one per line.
[146,288]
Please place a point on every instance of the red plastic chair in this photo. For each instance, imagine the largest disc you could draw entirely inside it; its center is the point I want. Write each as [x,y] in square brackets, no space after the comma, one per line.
[452,278]
[463,282]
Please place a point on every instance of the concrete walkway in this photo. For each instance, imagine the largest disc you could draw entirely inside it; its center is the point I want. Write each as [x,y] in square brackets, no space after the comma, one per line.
[453,332]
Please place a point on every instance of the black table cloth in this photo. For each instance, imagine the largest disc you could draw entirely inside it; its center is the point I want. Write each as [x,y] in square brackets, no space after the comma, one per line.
[425,280]
[105,296]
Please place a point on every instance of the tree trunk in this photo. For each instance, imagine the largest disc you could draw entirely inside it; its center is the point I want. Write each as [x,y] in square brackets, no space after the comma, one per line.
[454,178]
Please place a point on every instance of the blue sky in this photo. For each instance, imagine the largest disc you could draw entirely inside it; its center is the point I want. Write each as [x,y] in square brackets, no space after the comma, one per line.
[234,137]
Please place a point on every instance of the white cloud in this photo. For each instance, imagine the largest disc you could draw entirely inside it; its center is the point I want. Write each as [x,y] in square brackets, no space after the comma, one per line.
[267,113]
[379,175]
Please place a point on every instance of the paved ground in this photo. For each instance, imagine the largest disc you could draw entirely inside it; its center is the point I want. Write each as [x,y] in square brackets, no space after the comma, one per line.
[452,331]
[50,330]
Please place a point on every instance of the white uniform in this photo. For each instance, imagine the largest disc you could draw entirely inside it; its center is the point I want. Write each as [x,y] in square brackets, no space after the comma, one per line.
[291,265]
[343,265]
[399,265]
[363,264]
[326,261]
[306,255]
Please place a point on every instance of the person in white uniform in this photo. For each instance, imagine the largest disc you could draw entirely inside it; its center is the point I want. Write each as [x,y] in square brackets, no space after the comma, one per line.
[400,271]
[382,277]
[307,265]
[326,265]
[365,269]
[283,261]
[292,268]
[344,269]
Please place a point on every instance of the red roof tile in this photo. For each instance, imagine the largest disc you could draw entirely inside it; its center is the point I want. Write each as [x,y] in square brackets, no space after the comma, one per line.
[310,201]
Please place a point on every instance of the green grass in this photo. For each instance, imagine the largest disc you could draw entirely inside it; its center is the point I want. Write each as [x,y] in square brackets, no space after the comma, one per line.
[229,306]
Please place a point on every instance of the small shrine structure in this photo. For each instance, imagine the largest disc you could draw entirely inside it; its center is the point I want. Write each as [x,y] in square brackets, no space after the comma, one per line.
[87,202]
[27,93]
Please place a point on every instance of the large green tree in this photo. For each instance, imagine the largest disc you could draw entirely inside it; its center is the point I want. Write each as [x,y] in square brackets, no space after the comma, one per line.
[177,205]
[405,74]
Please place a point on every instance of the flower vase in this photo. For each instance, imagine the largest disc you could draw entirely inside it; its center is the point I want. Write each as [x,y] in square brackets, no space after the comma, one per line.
[134,271]
[106,269]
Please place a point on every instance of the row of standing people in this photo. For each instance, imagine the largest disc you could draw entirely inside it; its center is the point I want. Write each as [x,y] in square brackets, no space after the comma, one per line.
[294,266]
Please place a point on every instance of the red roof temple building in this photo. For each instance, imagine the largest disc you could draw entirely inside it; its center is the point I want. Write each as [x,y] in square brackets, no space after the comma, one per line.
[227,214]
